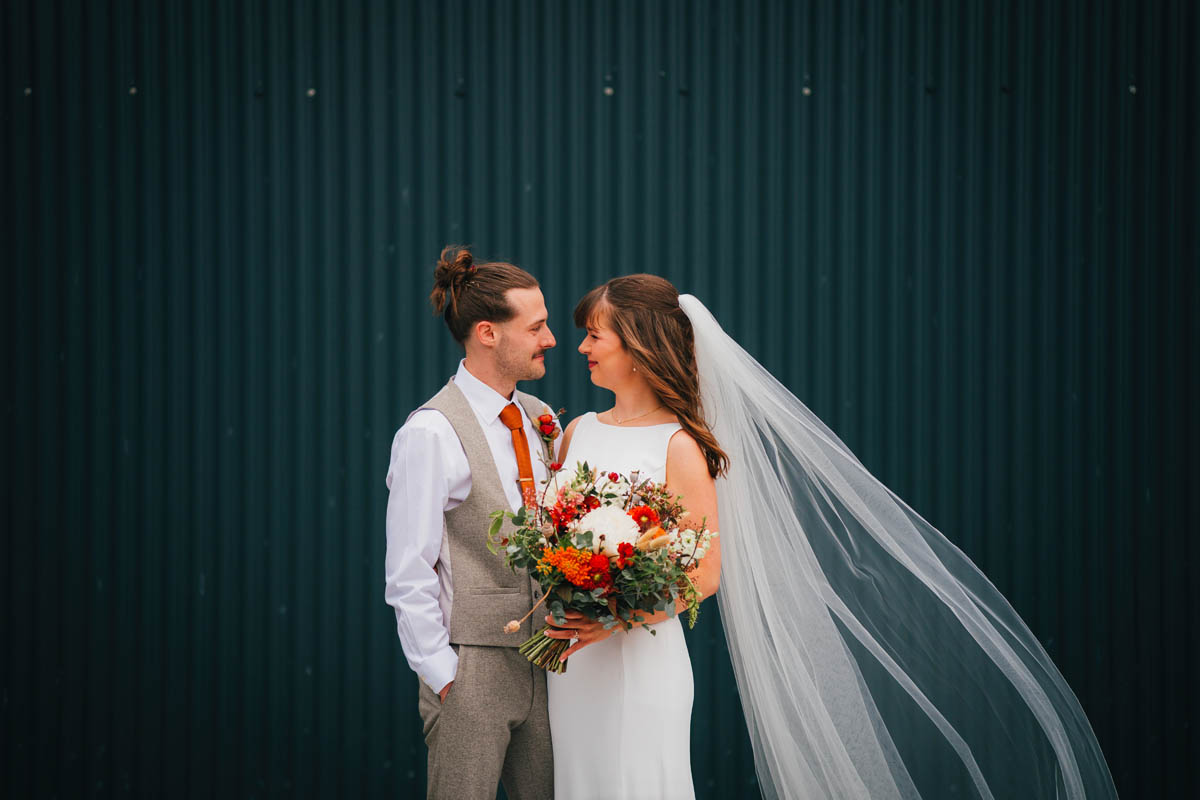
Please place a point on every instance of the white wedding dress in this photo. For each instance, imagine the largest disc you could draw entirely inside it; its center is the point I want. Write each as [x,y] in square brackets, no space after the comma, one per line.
[620,716]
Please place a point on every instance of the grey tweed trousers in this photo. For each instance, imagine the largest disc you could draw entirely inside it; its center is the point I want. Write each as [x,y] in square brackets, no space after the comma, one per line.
[492,728]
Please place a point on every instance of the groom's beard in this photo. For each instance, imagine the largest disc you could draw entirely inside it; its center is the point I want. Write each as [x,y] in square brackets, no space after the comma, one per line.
[523,367]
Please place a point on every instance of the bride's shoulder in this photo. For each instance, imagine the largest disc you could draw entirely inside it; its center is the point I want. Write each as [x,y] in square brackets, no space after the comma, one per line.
[683,451]
[573,424]
[687,471]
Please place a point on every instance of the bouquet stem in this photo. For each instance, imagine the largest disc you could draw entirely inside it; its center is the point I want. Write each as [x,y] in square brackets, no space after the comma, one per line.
[545,652]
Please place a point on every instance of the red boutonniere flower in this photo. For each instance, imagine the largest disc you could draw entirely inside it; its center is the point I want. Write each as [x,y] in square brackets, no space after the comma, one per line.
[548,426]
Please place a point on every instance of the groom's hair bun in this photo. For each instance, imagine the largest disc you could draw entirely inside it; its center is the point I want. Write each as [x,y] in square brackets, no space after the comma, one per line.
[466,292]
[452,269]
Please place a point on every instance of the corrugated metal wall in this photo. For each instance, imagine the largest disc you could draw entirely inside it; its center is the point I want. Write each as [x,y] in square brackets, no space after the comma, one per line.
[964,233]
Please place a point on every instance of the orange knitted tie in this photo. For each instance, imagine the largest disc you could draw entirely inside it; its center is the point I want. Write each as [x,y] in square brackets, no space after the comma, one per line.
[511,416]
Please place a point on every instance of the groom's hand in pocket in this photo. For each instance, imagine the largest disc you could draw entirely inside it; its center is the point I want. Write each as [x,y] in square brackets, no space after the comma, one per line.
[577,626]
[445,691]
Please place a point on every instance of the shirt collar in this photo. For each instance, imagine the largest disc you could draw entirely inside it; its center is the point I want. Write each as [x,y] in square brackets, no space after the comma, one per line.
[485,401]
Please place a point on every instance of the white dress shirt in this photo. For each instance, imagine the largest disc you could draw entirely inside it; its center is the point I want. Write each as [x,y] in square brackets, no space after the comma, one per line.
[429,475]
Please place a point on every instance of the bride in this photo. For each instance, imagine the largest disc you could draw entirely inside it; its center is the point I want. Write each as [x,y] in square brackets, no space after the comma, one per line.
[630,684]
[873,659]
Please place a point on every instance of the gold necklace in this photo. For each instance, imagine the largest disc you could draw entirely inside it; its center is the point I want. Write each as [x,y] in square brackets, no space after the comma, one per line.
[631,419]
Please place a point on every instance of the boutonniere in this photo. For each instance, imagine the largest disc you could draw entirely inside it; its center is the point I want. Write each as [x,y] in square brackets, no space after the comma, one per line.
[549,428]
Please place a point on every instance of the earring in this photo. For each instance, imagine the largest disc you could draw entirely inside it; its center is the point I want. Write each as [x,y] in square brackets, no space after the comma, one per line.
[635,369]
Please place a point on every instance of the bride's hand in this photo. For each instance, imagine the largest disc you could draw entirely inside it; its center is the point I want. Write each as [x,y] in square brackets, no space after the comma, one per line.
[577,626]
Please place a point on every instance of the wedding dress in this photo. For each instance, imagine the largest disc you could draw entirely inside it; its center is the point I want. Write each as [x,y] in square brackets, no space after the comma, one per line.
[620,715]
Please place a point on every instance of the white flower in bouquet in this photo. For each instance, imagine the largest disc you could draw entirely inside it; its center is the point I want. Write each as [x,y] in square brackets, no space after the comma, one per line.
[605,484]
[680,541]
[550,495]
[690,543]
[611,523]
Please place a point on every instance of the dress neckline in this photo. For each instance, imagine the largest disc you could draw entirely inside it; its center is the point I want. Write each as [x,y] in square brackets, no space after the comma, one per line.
[596,417]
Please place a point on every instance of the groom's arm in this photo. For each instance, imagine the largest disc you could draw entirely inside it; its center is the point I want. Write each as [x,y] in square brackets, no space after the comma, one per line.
[421,480]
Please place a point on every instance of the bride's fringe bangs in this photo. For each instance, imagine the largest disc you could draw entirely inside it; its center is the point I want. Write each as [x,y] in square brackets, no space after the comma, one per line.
[591,307]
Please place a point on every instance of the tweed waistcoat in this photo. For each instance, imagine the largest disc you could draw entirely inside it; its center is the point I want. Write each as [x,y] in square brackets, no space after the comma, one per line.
[487,594]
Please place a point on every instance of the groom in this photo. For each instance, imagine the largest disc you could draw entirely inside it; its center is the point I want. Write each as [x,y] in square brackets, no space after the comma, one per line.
[470,450]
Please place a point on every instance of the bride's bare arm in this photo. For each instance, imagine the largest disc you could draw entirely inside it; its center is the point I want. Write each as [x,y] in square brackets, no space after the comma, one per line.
[568,432]
[687,476]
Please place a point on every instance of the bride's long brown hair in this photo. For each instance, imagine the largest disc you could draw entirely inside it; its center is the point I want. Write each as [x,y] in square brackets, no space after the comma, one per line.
[643,310]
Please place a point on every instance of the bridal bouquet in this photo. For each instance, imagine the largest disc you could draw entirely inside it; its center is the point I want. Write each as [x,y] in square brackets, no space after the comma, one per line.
[609,546]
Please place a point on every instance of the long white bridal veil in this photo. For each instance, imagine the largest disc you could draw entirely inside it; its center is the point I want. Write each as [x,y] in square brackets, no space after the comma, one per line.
[873,659]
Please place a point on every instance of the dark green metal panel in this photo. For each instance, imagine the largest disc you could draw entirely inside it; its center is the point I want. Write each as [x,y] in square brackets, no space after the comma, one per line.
[964,233]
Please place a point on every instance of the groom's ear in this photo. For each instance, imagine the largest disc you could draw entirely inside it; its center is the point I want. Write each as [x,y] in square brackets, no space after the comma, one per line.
[485,333]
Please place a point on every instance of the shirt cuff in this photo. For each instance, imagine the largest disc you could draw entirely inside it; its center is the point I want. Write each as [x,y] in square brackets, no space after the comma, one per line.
[440,668]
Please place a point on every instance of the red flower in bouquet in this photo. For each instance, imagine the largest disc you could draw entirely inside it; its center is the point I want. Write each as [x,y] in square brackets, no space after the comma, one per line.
[624,555]
[644,516]
[564,511]
[598,571]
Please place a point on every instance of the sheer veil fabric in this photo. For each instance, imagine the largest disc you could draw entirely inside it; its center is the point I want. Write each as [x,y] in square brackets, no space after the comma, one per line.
[873,658]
